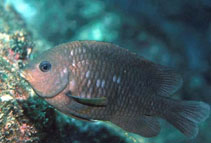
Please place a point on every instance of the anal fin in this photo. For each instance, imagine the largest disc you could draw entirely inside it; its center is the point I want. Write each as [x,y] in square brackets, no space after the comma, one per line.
[145,125]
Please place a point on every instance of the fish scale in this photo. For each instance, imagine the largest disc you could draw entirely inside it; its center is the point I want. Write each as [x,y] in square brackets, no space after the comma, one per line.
[99,77]
[101,81]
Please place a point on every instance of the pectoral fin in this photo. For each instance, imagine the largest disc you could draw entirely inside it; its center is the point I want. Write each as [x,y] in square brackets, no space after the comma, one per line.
[89,101]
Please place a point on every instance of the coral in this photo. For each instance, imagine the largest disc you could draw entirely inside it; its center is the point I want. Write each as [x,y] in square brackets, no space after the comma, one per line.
[15,48]
[15,126]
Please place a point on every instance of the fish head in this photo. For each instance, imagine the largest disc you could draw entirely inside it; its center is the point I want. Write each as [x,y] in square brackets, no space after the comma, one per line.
[47,73]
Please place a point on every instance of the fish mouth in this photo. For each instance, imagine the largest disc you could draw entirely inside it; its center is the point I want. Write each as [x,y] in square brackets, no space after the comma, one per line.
[24,74]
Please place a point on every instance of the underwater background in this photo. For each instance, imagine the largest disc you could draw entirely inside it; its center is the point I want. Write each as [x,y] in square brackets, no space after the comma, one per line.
[172,33]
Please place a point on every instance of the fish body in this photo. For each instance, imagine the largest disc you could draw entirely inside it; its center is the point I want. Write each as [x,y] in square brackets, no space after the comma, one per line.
[93,80]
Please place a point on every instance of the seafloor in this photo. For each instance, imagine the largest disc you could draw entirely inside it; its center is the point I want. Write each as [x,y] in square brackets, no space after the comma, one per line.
[172,33]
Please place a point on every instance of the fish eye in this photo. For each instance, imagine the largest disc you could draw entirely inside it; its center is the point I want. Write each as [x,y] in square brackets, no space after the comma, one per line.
[45,66]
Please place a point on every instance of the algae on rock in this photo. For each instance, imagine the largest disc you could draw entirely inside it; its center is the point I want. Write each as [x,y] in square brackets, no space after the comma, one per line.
[15,48]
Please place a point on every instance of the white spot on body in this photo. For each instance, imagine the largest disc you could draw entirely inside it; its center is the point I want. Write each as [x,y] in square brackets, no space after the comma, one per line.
[118,80]
[114,78]
[63,73]
[87,74]
[79,50]
[71,53]
[98,83]
[103,83]
[84,50]
[73,64]
[65,70]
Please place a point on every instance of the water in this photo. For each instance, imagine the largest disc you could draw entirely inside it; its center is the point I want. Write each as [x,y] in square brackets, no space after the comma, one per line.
[172,33]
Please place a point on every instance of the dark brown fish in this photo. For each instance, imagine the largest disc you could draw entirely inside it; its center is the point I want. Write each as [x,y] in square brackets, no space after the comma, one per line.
[100,81]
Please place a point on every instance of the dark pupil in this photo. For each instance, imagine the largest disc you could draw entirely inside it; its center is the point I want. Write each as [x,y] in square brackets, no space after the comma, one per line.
[45,66]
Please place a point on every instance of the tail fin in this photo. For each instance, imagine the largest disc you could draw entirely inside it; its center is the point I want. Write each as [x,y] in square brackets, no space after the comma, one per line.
[185,116]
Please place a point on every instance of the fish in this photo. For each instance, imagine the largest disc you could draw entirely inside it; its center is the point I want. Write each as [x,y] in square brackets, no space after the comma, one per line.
[93,80]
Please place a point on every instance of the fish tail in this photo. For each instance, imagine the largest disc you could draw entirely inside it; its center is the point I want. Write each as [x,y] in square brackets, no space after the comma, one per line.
[186,115]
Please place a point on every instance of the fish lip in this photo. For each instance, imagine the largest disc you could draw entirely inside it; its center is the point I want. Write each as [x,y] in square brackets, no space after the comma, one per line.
[24,74]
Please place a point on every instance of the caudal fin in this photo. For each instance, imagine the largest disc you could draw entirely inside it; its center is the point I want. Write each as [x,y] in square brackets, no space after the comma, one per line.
[186,115]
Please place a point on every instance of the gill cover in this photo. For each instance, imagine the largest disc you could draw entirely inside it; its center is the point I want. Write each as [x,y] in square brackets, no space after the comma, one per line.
[52,85]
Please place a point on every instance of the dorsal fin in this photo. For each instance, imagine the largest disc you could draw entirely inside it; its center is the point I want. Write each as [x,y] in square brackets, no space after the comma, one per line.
[166,81]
